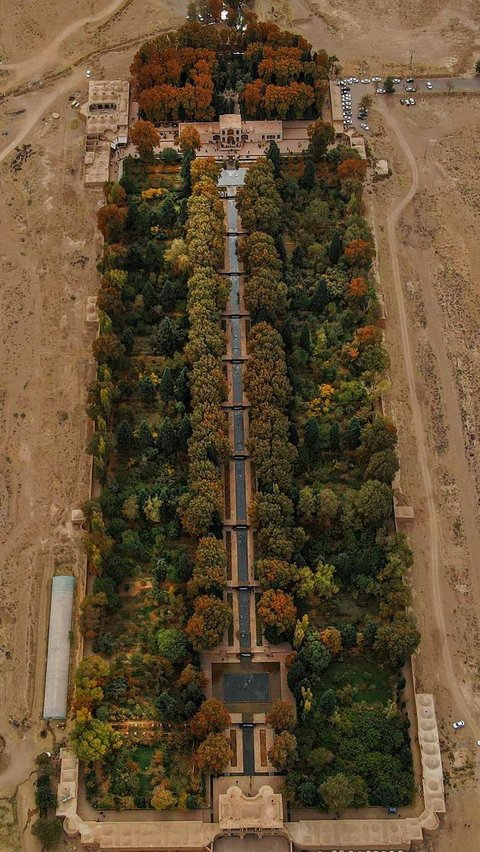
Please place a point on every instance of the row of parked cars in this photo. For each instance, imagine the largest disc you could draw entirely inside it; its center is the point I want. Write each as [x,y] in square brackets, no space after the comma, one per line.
[347,110]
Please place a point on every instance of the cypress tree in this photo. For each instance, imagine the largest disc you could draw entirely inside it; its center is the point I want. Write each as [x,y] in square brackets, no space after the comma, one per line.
[334,436]
[273,154]
[287,335]
[311,436]
[335,249]
[166,387]
[125,440]
[168,295]
[184,432]
[353,433]
[164,338]
[305,339]
[307,179]
[145,438]
[167,437]
[182,389]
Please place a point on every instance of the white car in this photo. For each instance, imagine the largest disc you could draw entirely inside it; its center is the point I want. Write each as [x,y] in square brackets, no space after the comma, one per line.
[88,73]
[429,85]
[412,101]
[376,79]
[364,126]
[459,724]
[397,80]
[380,91]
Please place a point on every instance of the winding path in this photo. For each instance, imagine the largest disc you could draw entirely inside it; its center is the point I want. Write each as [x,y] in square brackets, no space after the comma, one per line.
[455,432]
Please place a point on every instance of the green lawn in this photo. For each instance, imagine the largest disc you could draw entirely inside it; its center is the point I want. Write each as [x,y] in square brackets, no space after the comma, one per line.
[373,683]
[143,756]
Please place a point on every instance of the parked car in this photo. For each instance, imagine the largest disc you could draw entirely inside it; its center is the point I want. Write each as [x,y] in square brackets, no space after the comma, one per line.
[459,724]
[364,126]
[397,79]
[429,85]
[410,89]
[380,91]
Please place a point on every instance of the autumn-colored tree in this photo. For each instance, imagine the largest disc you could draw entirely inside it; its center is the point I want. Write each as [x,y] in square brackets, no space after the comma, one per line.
[357,288]
[213,754]
[190,675]
[283,750]
[252,97]
[332,639]
[275,573]
[212,718]
[189,139]
[210,571]
[281,717]
[206,626]
[325,586]
[108,349]
[277,609]
[114,193]
[359,253]
[111,221]
[204,167]
[145,137]
[92,610]
[90,678]
[320,135]
[352,169]
[163,798]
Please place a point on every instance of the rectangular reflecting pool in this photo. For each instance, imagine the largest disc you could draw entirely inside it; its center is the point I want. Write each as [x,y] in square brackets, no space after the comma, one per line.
[246,688]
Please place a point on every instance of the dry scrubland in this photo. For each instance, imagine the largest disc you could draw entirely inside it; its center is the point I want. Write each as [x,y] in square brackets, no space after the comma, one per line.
[48,250]
[442,33]
[439,256]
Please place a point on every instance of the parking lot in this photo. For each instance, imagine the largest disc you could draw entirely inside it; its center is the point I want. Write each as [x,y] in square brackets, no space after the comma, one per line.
[354,88]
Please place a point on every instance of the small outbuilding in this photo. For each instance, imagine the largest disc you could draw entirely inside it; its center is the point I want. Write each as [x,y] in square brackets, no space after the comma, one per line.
[58,653]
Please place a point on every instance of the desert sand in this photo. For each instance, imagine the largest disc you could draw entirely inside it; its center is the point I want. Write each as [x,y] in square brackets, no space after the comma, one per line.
[434,401]
[378,35]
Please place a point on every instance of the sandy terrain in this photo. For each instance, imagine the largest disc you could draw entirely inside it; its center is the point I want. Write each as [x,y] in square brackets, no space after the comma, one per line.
[429,257]
[375,35]
[48,250]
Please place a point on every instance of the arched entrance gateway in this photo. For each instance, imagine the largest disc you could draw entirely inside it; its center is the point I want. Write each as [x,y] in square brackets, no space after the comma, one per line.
[251,823]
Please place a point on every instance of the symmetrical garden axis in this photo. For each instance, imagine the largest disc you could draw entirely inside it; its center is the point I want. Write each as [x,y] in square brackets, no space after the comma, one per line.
[246,622]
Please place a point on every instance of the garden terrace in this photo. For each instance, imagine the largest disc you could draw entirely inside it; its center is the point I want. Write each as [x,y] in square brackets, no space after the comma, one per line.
[156,572]
[329,561]
[195,73]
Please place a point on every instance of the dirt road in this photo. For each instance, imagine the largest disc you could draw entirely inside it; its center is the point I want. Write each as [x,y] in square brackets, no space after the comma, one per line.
[427,402]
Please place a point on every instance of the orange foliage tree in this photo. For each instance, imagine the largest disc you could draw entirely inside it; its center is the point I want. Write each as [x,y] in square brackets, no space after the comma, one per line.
[189,139]
[277,609]
[359,253]
[212,718]
[144,136]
